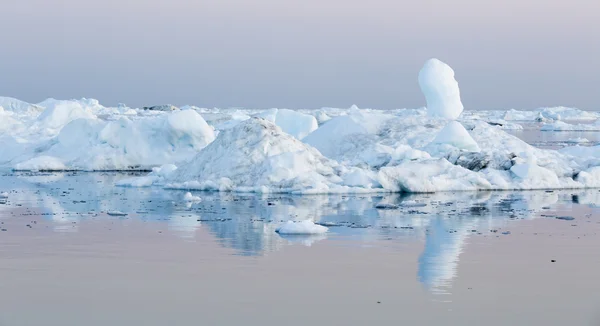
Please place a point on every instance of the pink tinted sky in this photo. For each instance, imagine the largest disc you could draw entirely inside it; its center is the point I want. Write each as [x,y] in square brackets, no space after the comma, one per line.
[278,53]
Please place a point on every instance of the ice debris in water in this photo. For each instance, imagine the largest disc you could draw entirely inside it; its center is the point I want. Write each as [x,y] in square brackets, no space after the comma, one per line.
[116,213]
[4,195]
[189,197]
[577,140]
[301,228]
[412,203]
[386,206]
[441,90]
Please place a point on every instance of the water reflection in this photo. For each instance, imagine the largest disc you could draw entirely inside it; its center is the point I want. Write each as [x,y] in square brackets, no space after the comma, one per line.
[444,222]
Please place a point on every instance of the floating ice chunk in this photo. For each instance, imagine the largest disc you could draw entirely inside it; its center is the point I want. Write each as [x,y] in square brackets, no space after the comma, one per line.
[49,163]
[441,90]
[300,228]
[156,177]
[550,114]
[412,203]
[137,182]
[578,140]
[4,195]
[456,135]
[563,126]
[189,197]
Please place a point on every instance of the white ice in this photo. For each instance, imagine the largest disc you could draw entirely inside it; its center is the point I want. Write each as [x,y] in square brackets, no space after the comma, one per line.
[189,197]
[440,89]
[330,150]
[301,228]
[456,135]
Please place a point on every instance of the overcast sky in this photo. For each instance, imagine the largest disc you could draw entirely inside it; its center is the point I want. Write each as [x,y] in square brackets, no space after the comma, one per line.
[300,53]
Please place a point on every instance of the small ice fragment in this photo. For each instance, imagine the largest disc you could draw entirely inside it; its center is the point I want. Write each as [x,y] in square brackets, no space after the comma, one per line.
[578,140]
[189,197]
[412,203]
[304,227]
[4,195]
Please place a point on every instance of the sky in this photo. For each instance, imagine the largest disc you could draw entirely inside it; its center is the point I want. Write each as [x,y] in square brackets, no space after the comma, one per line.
[300,53]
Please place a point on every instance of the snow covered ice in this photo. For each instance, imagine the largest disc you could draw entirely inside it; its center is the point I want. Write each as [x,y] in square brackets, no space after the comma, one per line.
[456,135]
[330,150]
[257,156]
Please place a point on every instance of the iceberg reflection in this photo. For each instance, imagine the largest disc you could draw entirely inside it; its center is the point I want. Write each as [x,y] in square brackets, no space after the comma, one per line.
[247,222]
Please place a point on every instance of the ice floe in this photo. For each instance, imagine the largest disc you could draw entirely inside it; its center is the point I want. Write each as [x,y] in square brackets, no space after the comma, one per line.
[330,150]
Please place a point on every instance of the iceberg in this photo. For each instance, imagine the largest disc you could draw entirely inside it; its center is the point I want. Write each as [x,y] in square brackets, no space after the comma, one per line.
[563,126]
[329,150]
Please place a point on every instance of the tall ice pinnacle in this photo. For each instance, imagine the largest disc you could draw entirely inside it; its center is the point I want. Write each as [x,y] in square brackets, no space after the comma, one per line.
[441,91]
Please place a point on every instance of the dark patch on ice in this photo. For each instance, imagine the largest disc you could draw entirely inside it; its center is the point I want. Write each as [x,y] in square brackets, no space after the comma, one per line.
[386,206]
[473,161]
[164,107]
[329,224]
[478,210]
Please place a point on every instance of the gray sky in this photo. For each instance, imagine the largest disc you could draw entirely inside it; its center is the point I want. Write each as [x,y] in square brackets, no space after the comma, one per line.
[300,53]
